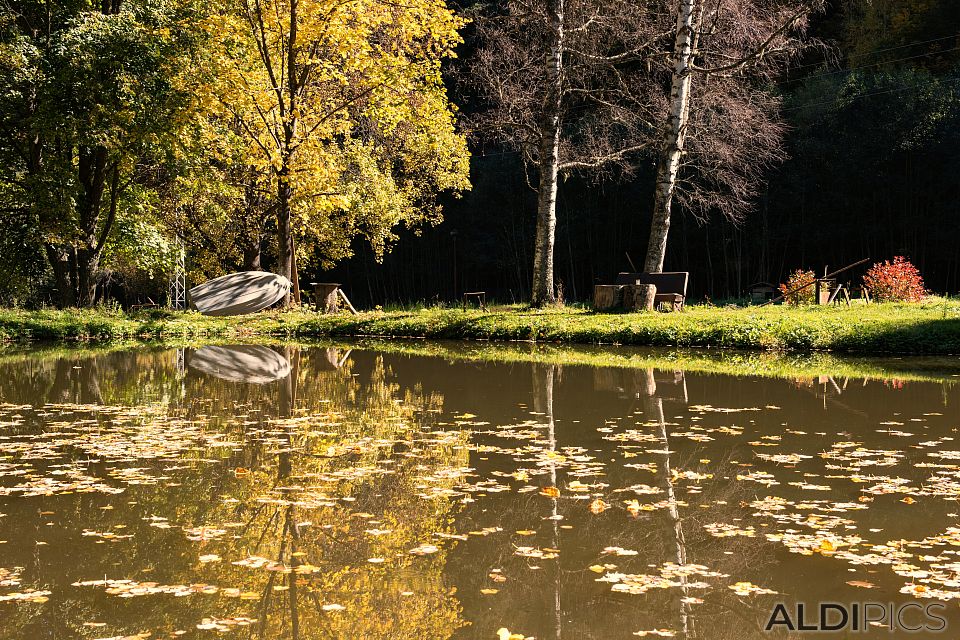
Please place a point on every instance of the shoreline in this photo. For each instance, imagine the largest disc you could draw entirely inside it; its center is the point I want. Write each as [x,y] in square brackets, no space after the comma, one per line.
[928,328]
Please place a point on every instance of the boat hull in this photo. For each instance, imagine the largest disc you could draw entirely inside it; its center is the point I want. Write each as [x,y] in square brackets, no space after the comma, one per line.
[239,293]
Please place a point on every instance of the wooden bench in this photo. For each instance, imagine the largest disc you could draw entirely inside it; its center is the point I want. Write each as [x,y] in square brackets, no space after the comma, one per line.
[671,286]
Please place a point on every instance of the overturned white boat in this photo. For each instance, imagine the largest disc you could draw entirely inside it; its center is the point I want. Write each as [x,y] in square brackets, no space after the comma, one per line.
[239,293]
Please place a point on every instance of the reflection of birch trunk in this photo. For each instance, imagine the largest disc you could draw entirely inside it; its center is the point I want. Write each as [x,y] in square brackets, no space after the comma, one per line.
[654,409]
[543,379]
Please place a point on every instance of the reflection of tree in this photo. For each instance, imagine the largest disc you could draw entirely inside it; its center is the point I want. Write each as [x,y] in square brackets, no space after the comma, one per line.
[291,472]
[543,383]
[564,590]
[90,377]
[326,562]
[653,407]
[720,501]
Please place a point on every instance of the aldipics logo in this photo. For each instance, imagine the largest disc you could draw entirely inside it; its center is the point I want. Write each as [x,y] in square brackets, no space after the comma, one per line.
[911,617]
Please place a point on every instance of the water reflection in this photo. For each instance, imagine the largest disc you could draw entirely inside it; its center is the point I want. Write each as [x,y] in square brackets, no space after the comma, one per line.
[253,364]
[366,495]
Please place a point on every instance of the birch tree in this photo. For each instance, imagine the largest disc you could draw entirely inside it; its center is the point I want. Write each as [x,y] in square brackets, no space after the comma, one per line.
[542,291]
[563,83]
[725,55]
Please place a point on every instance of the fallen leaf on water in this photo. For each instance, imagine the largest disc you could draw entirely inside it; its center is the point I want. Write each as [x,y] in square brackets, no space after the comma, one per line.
[424,549]
[749,589]
[598,506]
[861,583]
[550,492]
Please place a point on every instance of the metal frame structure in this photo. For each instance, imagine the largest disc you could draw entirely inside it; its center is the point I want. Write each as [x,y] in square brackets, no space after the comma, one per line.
[178,279]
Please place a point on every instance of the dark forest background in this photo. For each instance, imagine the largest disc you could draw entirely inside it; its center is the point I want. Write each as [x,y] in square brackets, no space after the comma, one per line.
[873,172]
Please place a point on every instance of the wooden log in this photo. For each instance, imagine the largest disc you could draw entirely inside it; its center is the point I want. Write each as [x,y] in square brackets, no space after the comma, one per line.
[328,300]
[347,302]
[607,296]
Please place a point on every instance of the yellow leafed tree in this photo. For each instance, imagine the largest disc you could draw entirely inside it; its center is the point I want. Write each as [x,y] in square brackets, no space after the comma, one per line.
[341,107]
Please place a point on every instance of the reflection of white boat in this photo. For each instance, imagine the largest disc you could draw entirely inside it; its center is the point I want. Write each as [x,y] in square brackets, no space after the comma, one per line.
[239,293]
[240,363]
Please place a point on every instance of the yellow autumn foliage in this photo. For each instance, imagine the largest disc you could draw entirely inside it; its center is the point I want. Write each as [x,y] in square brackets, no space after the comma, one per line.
[343,102]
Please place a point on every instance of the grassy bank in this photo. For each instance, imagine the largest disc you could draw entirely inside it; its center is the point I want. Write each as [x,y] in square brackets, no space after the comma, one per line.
[932,327]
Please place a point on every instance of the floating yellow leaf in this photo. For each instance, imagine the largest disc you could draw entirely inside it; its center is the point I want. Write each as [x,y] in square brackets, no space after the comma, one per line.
[598,506]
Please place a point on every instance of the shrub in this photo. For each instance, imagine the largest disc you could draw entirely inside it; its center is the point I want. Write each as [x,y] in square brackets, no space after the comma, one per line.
[897,281]
[798,279]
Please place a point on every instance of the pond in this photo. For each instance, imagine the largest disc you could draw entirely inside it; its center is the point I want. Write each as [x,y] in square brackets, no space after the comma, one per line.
[331,491]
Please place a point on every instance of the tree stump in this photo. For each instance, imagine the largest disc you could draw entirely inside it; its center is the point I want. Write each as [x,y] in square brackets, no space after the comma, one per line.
[629,297]
[607,296]
[327,299]
[644,296]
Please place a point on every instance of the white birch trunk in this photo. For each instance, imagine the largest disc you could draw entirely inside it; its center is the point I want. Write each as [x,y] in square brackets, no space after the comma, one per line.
[668,165]
[542,291]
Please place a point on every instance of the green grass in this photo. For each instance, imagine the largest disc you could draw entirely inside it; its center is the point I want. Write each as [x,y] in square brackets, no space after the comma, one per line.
[931,327]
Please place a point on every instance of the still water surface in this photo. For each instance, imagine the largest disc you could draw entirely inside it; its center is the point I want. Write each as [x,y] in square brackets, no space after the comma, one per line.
[329,492]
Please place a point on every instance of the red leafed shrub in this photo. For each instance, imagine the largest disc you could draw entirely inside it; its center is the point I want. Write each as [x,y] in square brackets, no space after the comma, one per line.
[798,279]
[897,281]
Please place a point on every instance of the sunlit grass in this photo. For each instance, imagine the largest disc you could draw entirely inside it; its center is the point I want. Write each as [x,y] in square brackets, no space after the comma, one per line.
[931,327]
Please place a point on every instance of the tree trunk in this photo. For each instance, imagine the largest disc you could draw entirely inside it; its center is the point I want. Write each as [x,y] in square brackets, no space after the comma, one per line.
[88,263]
[288,111]
[251,254]
[668,165]
[284,231]
[92,171]
[543,292]
[59,259]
